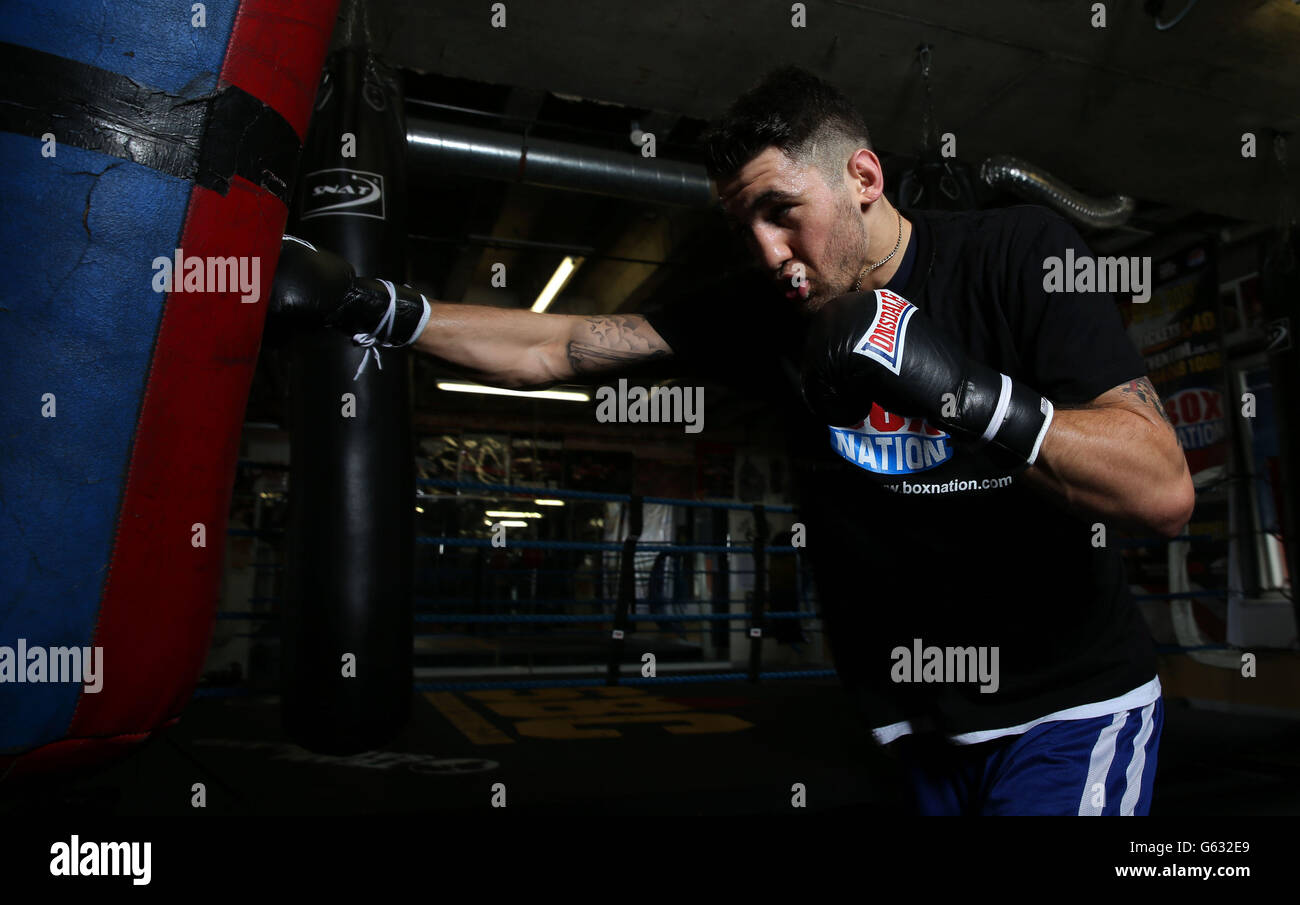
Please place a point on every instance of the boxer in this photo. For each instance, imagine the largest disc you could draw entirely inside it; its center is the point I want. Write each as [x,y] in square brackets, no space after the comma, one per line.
[960,439]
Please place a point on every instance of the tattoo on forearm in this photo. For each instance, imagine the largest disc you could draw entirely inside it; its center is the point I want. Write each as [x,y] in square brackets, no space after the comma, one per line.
[1145,393]
[614,340]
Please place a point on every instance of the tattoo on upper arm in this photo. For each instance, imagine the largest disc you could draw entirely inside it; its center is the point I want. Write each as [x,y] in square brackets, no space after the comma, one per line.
[609,341]
[1142,390]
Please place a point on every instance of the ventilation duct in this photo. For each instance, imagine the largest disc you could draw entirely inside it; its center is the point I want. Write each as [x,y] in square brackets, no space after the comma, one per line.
[471,151]
[1032,184]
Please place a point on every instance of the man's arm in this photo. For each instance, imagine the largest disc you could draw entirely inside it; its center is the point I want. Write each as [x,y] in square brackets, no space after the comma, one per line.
[513,348]
[1118,458]
[523,350]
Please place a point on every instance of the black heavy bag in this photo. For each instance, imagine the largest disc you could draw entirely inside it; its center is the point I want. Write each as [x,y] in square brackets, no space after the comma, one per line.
[347,621]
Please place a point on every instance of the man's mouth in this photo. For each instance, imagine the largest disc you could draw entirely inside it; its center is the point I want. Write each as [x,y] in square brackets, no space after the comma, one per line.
[798,292]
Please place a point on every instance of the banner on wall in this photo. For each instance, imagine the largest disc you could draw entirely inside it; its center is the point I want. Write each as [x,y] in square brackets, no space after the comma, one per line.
[1177,332]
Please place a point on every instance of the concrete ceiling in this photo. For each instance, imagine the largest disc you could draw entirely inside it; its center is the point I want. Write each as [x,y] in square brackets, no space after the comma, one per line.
[1127,108]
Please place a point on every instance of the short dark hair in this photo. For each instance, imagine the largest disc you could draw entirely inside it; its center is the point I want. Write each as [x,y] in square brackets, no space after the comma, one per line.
[804,116]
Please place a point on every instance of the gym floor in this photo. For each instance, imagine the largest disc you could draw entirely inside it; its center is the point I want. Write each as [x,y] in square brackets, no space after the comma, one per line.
[713,749]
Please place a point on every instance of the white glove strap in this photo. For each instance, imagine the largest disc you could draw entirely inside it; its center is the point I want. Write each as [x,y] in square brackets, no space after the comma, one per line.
[384,329]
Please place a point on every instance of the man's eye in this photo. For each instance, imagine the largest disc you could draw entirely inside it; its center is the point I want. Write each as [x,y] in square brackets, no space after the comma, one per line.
[779,212]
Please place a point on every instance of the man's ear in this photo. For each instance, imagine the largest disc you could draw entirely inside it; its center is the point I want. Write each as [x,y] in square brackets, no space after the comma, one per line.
[866,172]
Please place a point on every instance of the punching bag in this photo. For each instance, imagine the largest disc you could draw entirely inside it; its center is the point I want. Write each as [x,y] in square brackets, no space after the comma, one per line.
[149,153]
[938,181]
[346,630]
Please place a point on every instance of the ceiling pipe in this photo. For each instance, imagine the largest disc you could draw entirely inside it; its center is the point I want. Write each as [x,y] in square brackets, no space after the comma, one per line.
[451,148]
[440,147]
[1030,182]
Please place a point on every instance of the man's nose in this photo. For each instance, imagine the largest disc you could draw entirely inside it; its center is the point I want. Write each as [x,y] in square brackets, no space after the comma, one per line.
[771,249]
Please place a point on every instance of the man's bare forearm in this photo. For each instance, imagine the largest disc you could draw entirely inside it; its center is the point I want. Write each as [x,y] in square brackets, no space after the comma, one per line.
[608,342]
[520,349]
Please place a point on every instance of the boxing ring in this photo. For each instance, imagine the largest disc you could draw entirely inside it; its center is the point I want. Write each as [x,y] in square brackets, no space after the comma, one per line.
[607,627]
[455,601]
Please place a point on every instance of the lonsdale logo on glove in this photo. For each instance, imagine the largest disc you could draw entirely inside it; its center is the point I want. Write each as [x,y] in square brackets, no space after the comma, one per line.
[886,443]
[869,350]
[885,337]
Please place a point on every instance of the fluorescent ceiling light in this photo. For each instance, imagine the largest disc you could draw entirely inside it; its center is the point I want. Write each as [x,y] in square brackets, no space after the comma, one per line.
[502,513]
[548,502]
[508,524]
[556,283]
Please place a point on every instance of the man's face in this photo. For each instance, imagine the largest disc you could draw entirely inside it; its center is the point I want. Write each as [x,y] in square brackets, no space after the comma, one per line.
[794,224]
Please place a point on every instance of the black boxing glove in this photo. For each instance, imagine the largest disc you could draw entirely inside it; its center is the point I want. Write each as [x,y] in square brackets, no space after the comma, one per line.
[876,347]
[315,288]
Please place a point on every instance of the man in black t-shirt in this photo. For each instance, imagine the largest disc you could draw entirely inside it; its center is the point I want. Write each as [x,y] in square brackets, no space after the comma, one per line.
[915,538]
[975,435]
[957,532]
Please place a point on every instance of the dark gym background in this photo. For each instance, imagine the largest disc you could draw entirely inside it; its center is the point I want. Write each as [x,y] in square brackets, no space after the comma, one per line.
[1154,110]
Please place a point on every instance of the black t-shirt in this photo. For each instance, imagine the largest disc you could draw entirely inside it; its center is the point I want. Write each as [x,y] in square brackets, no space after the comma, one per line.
[916,543]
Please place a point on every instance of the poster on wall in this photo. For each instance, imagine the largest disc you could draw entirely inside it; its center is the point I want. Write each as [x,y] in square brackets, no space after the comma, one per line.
[1177,332]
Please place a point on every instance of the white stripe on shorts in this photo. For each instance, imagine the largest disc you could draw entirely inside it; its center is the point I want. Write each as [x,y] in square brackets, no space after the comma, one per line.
[1133,775]
[1099,765]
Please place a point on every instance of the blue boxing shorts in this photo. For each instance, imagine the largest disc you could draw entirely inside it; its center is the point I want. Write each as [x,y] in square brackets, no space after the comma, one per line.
[1100,766]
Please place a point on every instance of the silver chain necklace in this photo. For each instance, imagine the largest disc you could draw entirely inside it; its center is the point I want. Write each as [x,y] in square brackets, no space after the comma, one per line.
[857,284]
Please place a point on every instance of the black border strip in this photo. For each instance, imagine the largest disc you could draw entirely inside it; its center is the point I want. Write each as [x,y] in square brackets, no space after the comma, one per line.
[208,138]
